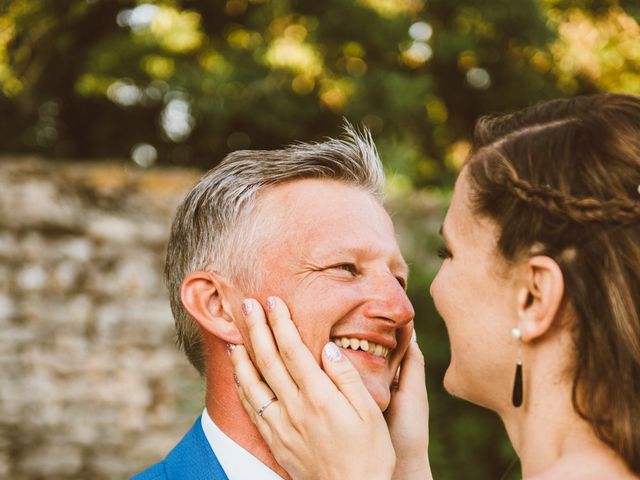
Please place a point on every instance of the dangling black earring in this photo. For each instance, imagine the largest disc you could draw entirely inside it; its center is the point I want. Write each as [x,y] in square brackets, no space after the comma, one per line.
[516,396]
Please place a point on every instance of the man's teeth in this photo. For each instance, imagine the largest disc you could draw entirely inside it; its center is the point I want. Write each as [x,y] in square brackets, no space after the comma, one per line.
[364,345]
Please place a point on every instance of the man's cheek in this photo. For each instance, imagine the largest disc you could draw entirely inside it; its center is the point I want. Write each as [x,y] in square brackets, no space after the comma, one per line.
[313,332]
[314,341]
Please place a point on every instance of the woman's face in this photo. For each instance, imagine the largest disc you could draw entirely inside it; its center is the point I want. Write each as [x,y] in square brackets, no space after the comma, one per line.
[475,293]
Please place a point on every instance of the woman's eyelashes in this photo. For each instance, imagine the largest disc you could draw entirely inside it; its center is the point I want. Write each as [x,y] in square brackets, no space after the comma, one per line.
[444,253]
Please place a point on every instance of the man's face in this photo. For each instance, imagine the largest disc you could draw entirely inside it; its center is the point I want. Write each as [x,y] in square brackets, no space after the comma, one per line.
[332,256]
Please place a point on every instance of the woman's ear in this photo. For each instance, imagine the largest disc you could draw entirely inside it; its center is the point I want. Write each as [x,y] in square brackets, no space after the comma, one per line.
[540,299]
[206,296]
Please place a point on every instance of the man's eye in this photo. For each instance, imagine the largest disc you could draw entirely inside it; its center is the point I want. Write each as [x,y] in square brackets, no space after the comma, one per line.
[444,253]
[402,281]
[347,267]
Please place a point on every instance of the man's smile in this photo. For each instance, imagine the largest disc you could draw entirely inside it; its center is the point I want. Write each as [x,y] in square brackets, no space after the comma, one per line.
[363,345]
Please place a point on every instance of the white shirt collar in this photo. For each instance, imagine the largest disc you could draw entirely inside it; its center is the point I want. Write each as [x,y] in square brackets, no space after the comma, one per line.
[236,462]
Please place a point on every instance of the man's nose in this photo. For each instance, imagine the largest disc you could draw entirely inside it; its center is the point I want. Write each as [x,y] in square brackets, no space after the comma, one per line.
[388,300]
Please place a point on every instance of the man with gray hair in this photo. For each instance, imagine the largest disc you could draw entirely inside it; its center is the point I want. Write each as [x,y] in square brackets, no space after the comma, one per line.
[306,224]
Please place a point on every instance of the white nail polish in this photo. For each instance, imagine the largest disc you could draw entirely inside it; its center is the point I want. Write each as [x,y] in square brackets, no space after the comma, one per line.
[332,352]
[247,306]
[271,304]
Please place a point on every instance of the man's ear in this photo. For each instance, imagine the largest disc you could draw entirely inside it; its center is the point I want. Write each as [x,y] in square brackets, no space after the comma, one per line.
[540,299]
[207,297]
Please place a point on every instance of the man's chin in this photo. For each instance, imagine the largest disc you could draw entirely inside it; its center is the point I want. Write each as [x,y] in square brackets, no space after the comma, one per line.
[375,376]
[379,391]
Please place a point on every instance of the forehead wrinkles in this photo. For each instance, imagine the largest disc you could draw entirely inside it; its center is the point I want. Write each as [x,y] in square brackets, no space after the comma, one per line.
[336,215]
[320,216]
[309,204]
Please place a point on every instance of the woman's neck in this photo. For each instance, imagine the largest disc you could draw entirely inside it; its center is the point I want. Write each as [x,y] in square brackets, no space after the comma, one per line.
[551,439]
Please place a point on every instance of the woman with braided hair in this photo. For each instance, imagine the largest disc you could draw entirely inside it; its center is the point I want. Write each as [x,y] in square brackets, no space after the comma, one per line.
[540,292]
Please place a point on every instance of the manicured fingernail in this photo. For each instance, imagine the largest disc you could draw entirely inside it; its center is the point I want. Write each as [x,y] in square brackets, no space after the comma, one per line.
[247,306]
[332,352]
[271,304]
[230,347]
[414,337]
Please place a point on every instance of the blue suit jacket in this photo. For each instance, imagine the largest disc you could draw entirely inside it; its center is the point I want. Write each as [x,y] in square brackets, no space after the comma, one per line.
[191,459]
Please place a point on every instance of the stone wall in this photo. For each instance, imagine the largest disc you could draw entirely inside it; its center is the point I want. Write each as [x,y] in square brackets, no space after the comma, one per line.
[91,384]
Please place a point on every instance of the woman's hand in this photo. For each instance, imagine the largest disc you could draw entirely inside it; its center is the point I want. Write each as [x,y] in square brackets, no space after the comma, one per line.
[320,426]
[408,418]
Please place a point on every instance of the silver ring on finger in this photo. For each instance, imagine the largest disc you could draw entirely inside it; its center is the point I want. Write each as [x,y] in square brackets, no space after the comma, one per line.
[261,410]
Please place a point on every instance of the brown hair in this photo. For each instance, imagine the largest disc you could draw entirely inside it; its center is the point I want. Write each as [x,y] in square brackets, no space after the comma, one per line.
[563,177]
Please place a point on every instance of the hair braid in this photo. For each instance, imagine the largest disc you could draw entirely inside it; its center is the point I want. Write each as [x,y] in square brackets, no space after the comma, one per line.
[584,210]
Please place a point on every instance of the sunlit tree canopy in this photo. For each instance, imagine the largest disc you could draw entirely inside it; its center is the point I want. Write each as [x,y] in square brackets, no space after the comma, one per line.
[188,81]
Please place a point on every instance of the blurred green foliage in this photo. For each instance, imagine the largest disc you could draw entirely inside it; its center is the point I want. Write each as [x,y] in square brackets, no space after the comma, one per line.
[184,82]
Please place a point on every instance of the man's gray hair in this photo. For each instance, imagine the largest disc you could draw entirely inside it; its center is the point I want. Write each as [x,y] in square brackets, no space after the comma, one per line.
[211,232]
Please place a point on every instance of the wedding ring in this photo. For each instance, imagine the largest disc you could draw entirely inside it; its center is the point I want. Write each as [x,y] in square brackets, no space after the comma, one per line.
[261,410]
